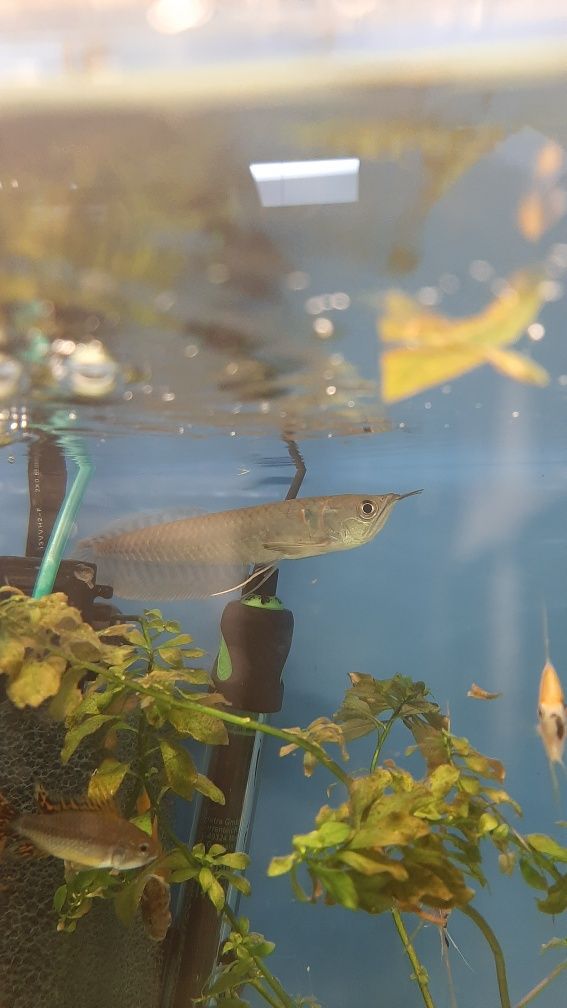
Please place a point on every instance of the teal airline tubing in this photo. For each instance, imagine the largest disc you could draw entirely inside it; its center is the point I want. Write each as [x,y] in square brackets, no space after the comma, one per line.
[76,450]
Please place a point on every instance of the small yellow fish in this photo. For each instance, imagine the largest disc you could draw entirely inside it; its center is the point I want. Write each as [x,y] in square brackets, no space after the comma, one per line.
[545,204]
[478,693]
[551,711]
[83,833]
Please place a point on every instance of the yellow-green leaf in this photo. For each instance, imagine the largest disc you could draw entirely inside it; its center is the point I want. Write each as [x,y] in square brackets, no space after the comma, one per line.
[281,865]
[106,779]
[143,822]
[442,779]
[210,790]
[545,845]
[212,888]
[233,859]
[202,727]
[12,653]
[68,696]
[433,348]
[75,736]
[339,886]
[59,897]
[127,900]
[179,768]
[532,876]
[36,681]
[488,822]
[373,865]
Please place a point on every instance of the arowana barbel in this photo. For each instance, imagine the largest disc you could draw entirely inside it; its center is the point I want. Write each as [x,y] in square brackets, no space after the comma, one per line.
[209,554]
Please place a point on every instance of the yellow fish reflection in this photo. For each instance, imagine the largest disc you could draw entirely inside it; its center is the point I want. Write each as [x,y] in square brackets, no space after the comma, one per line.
[435,349]
[545,204]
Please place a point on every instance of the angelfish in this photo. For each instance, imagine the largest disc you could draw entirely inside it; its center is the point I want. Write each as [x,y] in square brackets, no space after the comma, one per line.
[551,711]
[208,554]
[83,833]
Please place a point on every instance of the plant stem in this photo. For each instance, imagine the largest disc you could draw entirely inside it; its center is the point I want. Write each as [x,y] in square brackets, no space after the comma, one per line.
[386,729]
[542,985]
[265,994]
[497,953]
[260,965]
[246,723]
[419,972]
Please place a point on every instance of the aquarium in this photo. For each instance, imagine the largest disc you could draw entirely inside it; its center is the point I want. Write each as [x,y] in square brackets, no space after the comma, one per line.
[283,399]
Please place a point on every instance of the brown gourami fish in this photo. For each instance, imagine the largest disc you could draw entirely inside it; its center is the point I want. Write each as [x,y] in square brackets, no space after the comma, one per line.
[83,833]
[208,554]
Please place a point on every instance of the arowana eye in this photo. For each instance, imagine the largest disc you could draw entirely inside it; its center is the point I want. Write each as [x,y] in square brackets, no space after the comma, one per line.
[144,848]
[367,509]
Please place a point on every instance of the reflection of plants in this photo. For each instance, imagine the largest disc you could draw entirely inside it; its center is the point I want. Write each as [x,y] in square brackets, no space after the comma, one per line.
[396,843]
[424,349]
[99,221]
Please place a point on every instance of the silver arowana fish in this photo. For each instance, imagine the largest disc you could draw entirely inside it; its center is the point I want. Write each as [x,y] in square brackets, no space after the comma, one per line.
[209,554]
[89,836]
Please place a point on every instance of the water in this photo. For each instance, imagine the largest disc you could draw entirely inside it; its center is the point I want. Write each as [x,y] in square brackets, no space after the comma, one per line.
[139,233]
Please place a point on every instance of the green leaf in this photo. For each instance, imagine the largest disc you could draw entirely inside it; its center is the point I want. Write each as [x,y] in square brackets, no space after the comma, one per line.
[179,639]
[116,630]
[143,822]
[184,874]
[207,788]
[202,727]
[502,832]
[137,638]
[36,681]
[238,882]
[212,888]
[488,822]
[75,736]
[232,978]
[262,947]
[298,890]
[443,779]
[545,845]
[236,860]
[171,655]
[206,879]
[331,833]
[556,899]
[59,897]
[179,768]
[378,864]
[471,785]
[532,876]
[106,780]
[68,696]
[127,900]
[281,865]
[338,885]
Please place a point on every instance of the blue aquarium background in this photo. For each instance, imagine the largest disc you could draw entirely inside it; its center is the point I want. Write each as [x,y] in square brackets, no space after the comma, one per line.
[452,590]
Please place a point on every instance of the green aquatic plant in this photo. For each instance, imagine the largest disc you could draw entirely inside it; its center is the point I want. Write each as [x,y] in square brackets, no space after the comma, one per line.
[393,843]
